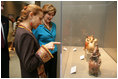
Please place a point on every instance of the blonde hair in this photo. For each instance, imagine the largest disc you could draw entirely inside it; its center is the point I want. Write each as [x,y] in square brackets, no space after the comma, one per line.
[49,8]
[35,9]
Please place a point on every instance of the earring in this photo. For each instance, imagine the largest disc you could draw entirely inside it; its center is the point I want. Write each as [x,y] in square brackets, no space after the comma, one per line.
[30,23]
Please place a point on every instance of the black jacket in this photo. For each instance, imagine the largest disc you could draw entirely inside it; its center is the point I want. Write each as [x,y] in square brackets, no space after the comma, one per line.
[4,51]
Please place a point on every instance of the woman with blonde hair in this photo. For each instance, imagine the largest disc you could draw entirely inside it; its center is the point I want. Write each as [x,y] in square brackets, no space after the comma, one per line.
[32,56]
[46,33]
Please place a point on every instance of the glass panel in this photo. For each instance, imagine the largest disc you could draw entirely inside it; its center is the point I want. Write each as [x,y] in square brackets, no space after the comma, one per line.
[85,18]
[81,19]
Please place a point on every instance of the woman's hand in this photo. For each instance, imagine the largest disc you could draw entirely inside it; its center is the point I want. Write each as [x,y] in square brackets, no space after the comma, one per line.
[51,45]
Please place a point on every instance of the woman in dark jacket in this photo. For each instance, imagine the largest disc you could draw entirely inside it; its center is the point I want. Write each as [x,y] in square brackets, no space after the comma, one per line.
[32,56]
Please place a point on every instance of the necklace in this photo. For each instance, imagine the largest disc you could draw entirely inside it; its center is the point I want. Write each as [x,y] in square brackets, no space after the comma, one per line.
[48,27]
[21,26]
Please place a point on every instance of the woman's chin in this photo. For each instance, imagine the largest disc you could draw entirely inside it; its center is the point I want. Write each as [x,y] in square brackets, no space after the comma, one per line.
[49,21]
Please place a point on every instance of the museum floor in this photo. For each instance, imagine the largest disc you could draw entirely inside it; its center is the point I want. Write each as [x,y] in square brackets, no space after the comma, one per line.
[71,58]
[14,65]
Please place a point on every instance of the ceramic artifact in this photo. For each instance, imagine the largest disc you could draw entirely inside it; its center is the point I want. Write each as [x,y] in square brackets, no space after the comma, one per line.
[90,43]
[95,62]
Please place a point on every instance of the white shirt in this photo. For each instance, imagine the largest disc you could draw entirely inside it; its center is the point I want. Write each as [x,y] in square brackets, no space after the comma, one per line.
[2,31]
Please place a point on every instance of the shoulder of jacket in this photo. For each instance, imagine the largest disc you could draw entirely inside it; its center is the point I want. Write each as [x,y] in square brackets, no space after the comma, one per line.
[38,28]
[53,23]
[4,18]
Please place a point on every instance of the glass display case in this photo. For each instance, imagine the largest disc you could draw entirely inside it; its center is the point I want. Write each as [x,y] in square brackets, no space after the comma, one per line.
[85,18]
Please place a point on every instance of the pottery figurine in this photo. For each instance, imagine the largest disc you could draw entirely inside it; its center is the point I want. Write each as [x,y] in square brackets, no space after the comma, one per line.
[90,43]
[94,67]
[95,62]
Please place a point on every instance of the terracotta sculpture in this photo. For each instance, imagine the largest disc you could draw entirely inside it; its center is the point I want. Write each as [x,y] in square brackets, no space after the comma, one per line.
[90,43]
[95,62]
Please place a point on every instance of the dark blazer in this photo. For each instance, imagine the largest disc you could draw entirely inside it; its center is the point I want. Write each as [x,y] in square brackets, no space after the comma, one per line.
[4,51]
[5,23]
[26,46]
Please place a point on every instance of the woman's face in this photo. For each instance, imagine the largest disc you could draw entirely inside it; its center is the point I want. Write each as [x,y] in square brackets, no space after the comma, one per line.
[36,20]
[48,17]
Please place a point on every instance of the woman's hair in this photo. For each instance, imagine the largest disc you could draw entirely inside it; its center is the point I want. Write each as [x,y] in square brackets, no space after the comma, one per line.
[35,9]
[49,8]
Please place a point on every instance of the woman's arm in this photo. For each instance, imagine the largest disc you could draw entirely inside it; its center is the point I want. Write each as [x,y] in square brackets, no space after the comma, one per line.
[28,54]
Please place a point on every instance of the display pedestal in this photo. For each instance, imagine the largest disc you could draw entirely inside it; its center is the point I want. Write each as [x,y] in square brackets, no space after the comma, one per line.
[87,55]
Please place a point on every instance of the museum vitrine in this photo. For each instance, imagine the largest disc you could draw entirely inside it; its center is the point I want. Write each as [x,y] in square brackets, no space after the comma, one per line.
[81,19]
